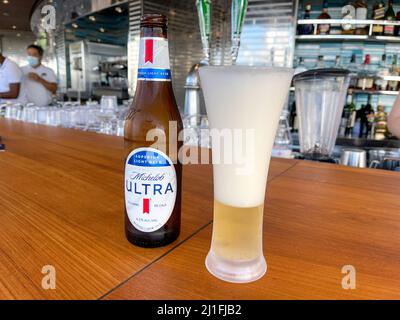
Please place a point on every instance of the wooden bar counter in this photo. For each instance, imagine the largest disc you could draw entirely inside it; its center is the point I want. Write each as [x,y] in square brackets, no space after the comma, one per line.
[61,205]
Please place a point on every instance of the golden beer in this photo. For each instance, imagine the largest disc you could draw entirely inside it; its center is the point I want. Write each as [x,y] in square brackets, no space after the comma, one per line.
[237,232]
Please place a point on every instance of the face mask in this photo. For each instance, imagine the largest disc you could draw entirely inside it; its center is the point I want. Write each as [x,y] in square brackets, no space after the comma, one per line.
[33,61]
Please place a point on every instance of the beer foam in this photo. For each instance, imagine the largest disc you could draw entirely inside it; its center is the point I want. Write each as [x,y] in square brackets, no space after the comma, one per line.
[248,98]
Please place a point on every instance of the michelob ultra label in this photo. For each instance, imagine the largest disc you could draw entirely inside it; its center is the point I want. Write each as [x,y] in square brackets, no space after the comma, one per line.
[150,189]
[154,64]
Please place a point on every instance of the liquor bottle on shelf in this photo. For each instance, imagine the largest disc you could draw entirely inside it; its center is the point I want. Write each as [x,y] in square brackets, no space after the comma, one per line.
[388,30]
[343,126]
[361,14]
[306,29]
[397,28]
[338,64]
[293,118]
[354,69]
[393,85]
[366,78]
[371,124]
[378,13]
[357,126]
[380,123]
[383,71]
[349,115]
[324,29]
[301,67]
[320,63]
[348,12]
[365,118]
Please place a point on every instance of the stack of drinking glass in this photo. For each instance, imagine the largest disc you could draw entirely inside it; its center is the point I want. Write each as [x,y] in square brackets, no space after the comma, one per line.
[106,118]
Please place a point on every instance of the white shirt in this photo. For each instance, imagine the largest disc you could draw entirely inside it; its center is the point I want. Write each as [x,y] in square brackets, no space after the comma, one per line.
[34,91]
[10,73]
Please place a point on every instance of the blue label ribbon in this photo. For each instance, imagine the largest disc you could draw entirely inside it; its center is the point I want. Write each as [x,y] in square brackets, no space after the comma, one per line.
[155,74]
[148,159]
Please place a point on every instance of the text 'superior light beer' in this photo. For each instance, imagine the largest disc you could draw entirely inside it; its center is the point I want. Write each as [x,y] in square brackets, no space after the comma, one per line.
[153,176]
[247,99]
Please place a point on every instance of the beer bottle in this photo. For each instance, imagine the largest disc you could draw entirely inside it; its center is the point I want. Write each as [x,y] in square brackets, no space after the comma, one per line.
[153,175]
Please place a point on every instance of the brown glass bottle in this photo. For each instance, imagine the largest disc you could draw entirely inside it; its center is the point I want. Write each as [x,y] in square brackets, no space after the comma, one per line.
[153,174]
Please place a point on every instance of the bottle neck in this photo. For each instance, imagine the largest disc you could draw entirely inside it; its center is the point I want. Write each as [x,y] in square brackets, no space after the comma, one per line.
[325,7]
[154,63]
[307,12]
[350,99]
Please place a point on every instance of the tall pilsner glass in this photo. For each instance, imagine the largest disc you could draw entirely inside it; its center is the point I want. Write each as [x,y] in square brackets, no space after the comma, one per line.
[248,100]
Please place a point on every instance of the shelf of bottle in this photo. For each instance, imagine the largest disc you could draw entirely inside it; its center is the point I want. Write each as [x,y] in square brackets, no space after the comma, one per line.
[336,37]
[375,92]
[390,78]
[348,21]
[372,92]
[367,25]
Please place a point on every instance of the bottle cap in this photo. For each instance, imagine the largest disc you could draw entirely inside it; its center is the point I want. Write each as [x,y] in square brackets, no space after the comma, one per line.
[154,20]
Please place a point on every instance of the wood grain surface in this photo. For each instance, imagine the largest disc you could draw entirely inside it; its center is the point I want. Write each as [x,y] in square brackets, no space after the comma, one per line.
[61,204]
[319,218]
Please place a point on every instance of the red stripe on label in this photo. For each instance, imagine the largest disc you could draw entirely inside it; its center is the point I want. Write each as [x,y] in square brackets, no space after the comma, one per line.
[149,51]
[146,206]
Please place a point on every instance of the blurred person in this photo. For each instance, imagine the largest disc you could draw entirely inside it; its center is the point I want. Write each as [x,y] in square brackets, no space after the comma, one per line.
[10,81]
[394,119]
[40,82]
